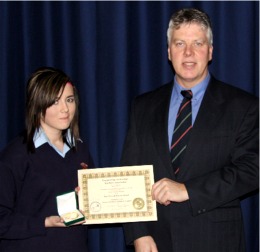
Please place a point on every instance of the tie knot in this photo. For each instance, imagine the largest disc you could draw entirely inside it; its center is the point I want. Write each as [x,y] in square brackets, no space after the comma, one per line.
[187,94]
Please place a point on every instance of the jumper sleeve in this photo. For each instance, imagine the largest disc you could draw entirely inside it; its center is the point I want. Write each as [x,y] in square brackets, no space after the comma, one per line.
[15,225]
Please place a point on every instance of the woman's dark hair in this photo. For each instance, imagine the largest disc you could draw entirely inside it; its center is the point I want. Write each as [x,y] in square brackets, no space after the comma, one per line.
[43,88]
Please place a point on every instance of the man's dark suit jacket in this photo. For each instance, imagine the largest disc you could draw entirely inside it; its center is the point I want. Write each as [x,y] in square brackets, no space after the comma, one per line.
[220,166]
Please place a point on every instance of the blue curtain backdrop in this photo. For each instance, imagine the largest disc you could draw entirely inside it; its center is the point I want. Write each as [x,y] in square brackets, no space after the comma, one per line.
[114,51]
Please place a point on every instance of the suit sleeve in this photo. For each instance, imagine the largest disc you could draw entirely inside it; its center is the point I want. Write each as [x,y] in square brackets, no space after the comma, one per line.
[239,176]
[130,156]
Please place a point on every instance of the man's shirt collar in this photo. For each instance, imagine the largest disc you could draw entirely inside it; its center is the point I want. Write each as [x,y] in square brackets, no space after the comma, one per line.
[197,91]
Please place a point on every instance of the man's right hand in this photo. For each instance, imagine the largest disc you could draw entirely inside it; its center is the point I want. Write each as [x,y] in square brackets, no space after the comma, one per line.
[145,244]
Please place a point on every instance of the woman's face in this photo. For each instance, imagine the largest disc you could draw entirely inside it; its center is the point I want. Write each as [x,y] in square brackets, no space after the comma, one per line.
[59,115]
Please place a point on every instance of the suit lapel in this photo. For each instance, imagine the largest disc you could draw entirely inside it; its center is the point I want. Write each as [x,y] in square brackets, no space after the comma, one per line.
[160,128]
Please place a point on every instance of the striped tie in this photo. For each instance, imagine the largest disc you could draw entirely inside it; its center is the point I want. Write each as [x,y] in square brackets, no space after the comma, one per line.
[182,130]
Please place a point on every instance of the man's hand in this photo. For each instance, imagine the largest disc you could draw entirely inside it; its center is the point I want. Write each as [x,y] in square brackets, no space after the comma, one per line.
[145,244]
[166,191]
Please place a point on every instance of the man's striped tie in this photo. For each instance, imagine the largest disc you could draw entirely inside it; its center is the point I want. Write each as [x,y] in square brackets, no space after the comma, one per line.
[182,129]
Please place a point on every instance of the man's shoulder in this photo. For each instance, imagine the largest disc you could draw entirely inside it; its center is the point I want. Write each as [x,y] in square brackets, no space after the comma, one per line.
[230,92]
[160,92]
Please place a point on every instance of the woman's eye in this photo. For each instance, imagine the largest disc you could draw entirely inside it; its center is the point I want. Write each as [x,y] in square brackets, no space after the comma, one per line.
[70,100]
[56,102]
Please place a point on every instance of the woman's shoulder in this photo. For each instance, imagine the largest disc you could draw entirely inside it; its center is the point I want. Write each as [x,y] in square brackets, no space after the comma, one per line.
[84,152]
[82,146]
[16,147]
[14,156]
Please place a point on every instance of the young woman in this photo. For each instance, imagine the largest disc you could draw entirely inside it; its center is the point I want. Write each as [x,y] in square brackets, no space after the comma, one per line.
[41,164]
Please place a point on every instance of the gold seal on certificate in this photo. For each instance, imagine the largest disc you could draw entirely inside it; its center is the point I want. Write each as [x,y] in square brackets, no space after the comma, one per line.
[138,203]
[117,194]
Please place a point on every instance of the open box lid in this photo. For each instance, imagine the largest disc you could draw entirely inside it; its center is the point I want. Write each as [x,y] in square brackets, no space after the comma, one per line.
[66,202]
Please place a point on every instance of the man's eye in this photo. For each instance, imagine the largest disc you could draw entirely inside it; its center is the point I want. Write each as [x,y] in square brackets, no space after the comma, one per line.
[179,44]
[198,44]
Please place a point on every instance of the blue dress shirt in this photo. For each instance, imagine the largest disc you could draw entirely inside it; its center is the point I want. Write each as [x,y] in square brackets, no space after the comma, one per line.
[198,92]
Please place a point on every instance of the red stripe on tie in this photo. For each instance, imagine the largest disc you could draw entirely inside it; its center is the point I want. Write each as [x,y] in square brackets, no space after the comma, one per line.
[184,105]
[177,170]
[184,133]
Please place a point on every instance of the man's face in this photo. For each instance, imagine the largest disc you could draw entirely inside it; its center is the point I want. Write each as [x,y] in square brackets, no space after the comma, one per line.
[189,51]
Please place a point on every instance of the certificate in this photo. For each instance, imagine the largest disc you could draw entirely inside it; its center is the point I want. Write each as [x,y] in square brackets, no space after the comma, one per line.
[117,194]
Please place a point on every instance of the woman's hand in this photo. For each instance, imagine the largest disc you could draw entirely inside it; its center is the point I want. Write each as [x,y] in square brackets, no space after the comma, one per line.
[57,221]
[54,221]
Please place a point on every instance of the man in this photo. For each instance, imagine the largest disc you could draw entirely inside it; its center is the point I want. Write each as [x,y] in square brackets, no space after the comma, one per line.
[198,186]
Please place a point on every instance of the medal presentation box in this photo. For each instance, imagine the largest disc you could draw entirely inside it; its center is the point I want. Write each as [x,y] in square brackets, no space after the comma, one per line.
[117,194]
[67,208]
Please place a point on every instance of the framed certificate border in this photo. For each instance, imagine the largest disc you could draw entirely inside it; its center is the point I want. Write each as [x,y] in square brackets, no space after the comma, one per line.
[131,179]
